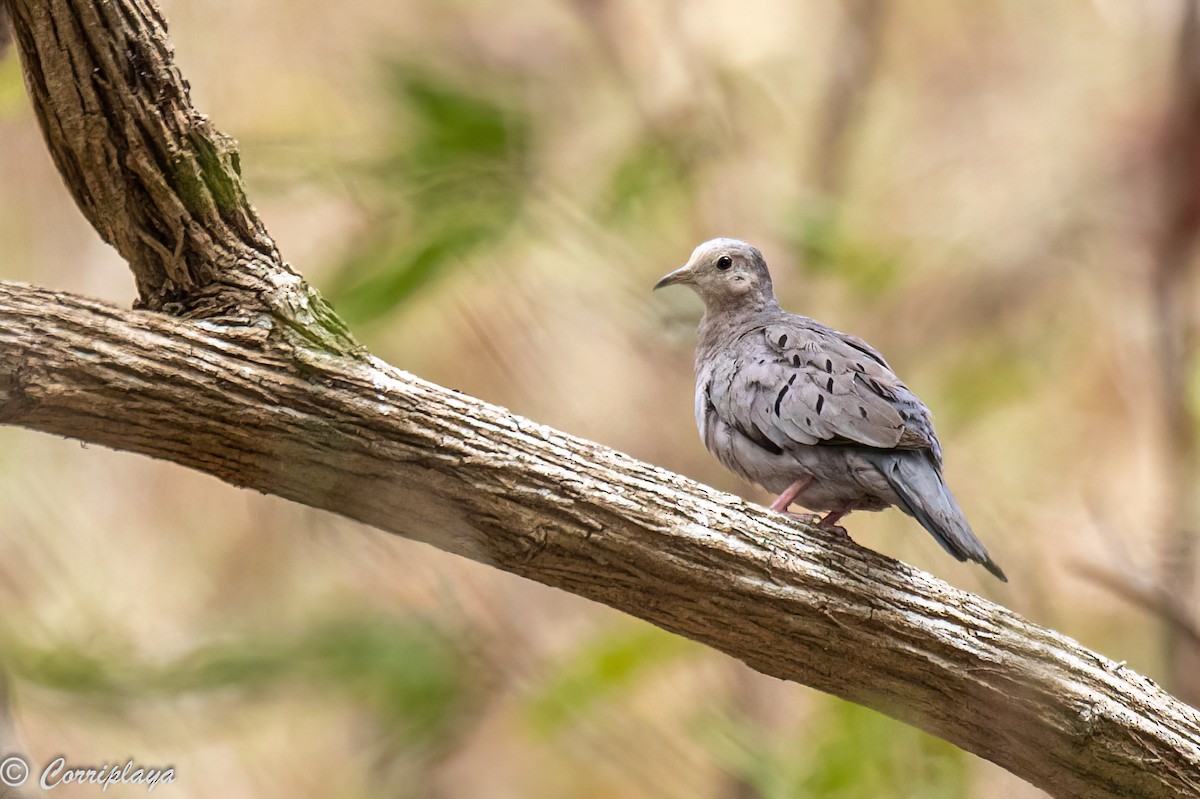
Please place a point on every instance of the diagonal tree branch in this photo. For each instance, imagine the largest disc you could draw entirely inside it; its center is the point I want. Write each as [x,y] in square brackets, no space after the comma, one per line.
[260,384]
[375,444]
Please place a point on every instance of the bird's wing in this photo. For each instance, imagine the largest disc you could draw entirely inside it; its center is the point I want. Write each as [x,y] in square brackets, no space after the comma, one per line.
[795,382]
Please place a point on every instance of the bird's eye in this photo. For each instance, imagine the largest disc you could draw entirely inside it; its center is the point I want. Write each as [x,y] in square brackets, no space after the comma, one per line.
[724,262]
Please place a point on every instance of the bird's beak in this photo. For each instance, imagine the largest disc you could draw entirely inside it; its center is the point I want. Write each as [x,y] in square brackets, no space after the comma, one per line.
[681,275]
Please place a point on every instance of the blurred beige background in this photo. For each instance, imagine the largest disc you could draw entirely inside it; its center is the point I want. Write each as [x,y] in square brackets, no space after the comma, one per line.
[488,191]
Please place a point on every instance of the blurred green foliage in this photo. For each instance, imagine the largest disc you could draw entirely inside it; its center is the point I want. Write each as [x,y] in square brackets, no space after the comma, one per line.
[601,671]
[654,176]
[827,247]
[991,373]
[455,181]
[12,87]
[844,752]
[406,673]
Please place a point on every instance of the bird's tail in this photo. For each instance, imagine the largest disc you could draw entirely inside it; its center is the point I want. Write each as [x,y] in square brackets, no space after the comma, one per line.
[925,496]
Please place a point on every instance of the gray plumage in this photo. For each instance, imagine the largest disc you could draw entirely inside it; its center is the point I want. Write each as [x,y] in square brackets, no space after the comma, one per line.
[810,413]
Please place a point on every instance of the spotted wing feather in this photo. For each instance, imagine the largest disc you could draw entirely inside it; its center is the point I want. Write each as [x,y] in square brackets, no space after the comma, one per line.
[795,382]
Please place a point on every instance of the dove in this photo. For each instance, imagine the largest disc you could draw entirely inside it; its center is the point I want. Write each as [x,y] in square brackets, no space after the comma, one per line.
[809,413]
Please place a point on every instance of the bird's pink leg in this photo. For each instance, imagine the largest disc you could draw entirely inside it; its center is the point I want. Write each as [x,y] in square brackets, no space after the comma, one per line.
[834,516]
[785,500]
[830,522]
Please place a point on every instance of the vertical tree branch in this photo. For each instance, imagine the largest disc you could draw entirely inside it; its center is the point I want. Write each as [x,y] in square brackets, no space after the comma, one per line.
[155,178]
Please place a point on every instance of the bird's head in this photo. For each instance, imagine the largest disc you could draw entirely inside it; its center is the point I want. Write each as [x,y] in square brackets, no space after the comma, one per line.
[725,273]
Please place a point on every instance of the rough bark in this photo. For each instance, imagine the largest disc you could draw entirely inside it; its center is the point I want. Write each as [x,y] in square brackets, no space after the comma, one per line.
[260,385]
[373,443]
[155,178]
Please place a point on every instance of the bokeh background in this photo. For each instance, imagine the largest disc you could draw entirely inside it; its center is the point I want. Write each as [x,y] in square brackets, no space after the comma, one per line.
[1000,195]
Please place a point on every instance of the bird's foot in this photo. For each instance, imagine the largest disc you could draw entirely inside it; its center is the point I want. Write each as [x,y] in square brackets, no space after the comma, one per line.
[830,523]
[836,529]
[815,520]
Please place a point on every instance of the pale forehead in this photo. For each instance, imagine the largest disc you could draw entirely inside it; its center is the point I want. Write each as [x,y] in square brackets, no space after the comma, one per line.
[721,245]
